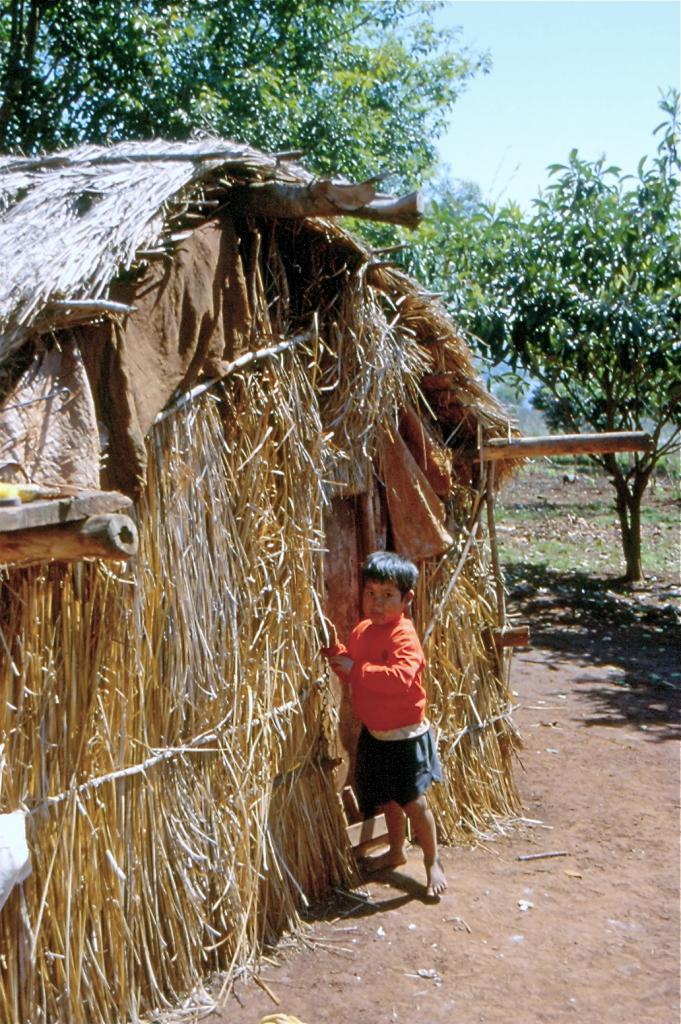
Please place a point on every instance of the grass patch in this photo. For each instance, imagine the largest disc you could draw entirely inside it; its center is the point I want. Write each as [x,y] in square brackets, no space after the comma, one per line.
[568,522]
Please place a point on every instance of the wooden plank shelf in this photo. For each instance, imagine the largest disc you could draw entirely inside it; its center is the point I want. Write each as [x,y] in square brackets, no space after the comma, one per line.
[52,511]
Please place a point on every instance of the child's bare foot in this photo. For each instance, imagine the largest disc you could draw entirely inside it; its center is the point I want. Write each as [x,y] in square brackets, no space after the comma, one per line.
[437,883]
[389,859]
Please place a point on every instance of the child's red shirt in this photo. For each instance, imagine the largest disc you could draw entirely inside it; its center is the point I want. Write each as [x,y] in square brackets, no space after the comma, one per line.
[385,679]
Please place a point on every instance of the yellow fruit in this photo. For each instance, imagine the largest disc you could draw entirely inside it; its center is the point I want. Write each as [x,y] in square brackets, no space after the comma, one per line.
[25,492]
[280,1018]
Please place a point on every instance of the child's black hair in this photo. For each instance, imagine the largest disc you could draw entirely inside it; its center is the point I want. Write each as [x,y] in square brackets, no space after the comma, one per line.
[388,567]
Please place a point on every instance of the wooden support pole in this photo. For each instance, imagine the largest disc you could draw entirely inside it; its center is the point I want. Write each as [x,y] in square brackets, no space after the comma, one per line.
[59,314]
[111,536]
[565,444]
[494,548]
[92,306]
[350,805]
[366,519]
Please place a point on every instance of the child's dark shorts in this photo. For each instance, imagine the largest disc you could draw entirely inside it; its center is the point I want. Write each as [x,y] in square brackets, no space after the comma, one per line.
[398,770]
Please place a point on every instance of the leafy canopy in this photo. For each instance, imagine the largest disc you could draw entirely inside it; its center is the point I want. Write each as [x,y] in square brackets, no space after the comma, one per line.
[355,84]
[584,295]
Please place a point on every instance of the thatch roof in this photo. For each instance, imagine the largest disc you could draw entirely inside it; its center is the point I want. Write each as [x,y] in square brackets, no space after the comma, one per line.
[70,224]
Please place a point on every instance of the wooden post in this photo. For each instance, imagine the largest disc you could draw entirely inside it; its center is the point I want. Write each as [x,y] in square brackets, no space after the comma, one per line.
[366,519]
[494,549]
[111,536]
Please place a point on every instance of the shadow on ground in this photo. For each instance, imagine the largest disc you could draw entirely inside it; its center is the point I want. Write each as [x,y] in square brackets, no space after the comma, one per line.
[359,902]
[343,903]
[635,634]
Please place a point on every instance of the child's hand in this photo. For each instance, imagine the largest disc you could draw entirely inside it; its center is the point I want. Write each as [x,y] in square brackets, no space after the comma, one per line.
[341,663]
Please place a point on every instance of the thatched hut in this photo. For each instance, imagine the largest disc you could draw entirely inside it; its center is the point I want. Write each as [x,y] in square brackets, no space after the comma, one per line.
[194,352]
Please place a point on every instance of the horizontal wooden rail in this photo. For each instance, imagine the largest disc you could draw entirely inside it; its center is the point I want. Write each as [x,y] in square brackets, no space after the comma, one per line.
[565,444]
[110,535]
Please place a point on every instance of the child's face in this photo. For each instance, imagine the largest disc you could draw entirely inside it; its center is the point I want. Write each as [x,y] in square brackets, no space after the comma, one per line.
[383,602]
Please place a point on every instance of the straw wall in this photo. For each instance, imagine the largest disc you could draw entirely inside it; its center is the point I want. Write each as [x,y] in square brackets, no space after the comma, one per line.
[202,664]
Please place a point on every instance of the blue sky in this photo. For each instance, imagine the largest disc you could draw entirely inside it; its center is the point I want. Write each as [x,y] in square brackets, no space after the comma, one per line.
[566,73]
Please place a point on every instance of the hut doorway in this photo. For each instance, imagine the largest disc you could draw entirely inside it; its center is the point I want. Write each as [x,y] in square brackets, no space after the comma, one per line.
[354,527]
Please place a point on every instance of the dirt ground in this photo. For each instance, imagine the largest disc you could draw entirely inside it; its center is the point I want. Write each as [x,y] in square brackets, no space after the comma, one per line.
[591,935]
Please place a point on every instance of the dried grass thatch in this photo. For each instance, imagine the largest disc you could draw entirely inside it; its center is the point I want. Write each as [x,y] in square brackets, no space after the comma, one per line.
[169,735]
[69,223]
[168,726]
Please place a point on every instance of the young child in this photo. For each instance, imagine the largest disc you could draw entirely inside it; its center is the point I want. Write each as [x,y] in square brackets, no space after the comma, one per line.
[396,756]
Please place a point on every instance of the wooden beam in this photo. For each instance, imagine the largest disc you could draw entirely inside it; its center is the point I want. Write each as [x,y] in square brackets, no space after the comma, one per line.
[92,306]
[512,636]
[275,200]
[565,444]
[350,805]
[365,834]
[56,315]
[235,154]
[111,536]
[49,512]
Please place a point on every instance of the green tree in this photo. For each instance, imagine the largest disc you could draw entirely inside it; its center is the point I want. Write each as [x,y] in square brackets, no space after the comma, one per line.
[585,296]
[357,85]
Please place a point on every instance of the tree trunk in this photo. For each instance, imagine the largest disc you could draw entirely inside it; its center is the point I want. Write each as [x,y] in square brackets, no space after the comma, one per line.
[628,504]
[18,82]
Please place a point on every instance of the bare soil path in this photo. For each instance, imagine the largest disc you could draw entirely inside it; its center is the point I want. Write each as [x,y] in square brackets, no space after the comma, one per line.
[592,936]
